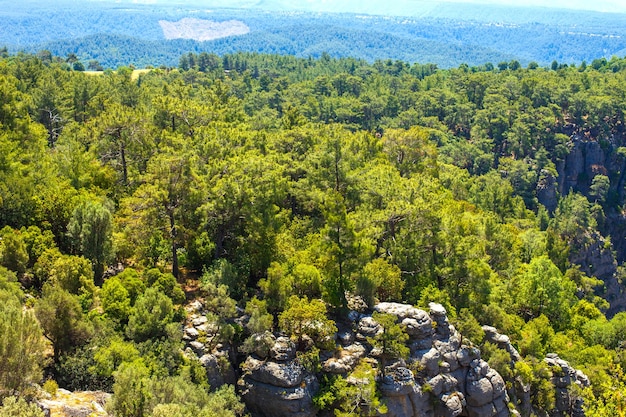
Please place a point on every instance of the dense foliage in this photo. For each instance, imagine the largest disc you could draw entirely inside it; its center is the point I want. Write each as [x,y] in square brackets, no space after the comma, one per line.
[279,182]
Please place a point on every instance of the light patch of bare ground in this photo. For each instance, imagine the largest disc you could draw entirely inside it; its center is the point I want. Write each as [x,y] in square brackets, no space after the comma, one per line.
[65,403]
[202,29]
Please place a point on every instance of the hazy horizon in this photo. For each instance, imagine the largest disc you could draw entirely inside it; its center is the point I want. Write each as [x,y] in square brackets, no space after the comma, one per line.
[610,6]
[607,6]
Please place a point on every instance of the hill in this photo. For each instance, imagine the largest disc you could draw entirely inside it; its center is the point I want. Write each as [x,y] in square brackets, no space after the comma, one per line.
[446,34]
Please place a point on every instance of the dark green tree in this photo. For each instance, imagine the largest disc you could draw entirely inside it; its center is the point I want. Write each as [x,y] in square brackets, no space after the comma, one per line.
[391,339]
[62,320]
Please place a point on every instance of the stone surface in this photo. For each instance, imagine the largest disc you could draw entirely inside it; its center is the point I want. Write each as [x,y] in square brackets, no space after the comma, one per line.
[441,377]
[479,392]
[192,333]
[284,374]
[268,400]
[430,361]
[75,404]
[419,326]
[402,311]
[547,190]
[367,328]
[197,347]
[283,350]
[437,309]
[452,405]
[345,360]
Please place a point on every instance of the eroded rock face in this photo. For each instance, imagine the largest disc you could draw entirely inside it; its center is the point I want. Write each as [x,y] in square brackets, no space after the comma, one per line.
[564,377]
[404,397]
[268,400]
[586,159]
[198,335]
[279,386]
[449,380]
[440,378]
[566,404]
[547,190]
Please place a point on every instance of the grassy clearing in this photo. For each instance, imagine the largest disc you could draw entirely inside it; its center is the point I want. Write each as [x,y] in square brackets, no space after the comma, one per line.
[134,76]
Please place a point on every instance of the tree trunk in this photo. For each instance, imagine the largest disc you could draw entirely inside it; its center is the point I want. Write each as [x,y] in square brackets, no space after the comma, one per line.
[174,246]
[124,166]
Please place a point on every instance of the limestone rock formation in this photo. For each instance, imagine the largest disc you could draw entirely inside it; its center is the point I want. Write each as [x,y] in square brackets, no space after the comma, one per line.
[216,359]
[74,404]
[442,376]
[564,377]
[566,404]
[279,386]
[587,158]
[547,190]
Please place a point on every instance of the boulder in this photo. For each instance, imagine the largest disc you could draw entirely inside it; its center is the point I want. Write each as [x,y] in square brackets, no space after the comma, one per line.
[199,321]
[437,310]
[429,361]
[418,329]
[486,410]
[404,397]
[402,311]
[398,382]
[198,347]
[269,400]
[191,333]
[498,384]
[345,360]
[284,374]
[479,392]
[211,365]
[283,350]
[442,383]
[451,405]
[368,328]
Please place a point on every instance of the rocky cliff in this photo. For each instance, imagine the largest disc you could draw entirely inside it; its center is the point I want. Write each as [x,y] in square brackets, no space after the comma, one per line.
[588,157]
[443,376]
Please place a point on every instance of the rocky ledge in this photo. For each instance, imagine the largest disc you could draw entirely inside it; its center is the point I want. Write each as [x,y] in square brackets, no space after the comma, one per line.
[442,377]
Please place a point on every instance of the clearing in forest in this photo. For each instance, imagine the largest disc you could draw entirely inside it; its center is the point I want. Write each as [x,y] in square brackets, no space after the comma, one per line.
[202,29]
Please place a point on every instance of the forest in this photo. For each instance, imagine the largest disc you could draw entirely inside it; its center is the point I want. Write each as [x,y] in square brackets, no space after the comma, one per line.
[281,189]
[447,34]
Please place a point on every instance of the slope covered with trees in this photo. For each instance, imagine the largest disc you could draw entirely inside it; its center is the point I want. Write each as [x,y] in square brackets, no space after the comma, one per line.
[285,186]
[447,34]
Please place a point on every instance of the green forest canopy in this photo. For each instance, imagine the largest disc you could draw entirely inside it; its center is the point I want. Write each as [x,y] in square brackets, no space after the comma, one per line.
[276,178]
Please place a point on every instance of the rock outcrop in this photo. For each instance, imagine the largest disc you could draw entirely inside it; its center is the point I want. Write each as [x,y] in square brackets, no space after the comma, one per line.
[442,377]
[450,379]
[587,158]
[74,404]
[596,258]
[278,386]
[216,358]
[563,378]
[547,190]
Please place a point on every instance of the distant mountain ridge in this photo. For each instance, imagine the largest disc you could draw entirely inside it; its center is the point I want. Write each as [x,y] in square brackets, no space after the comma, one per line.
[447,34]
